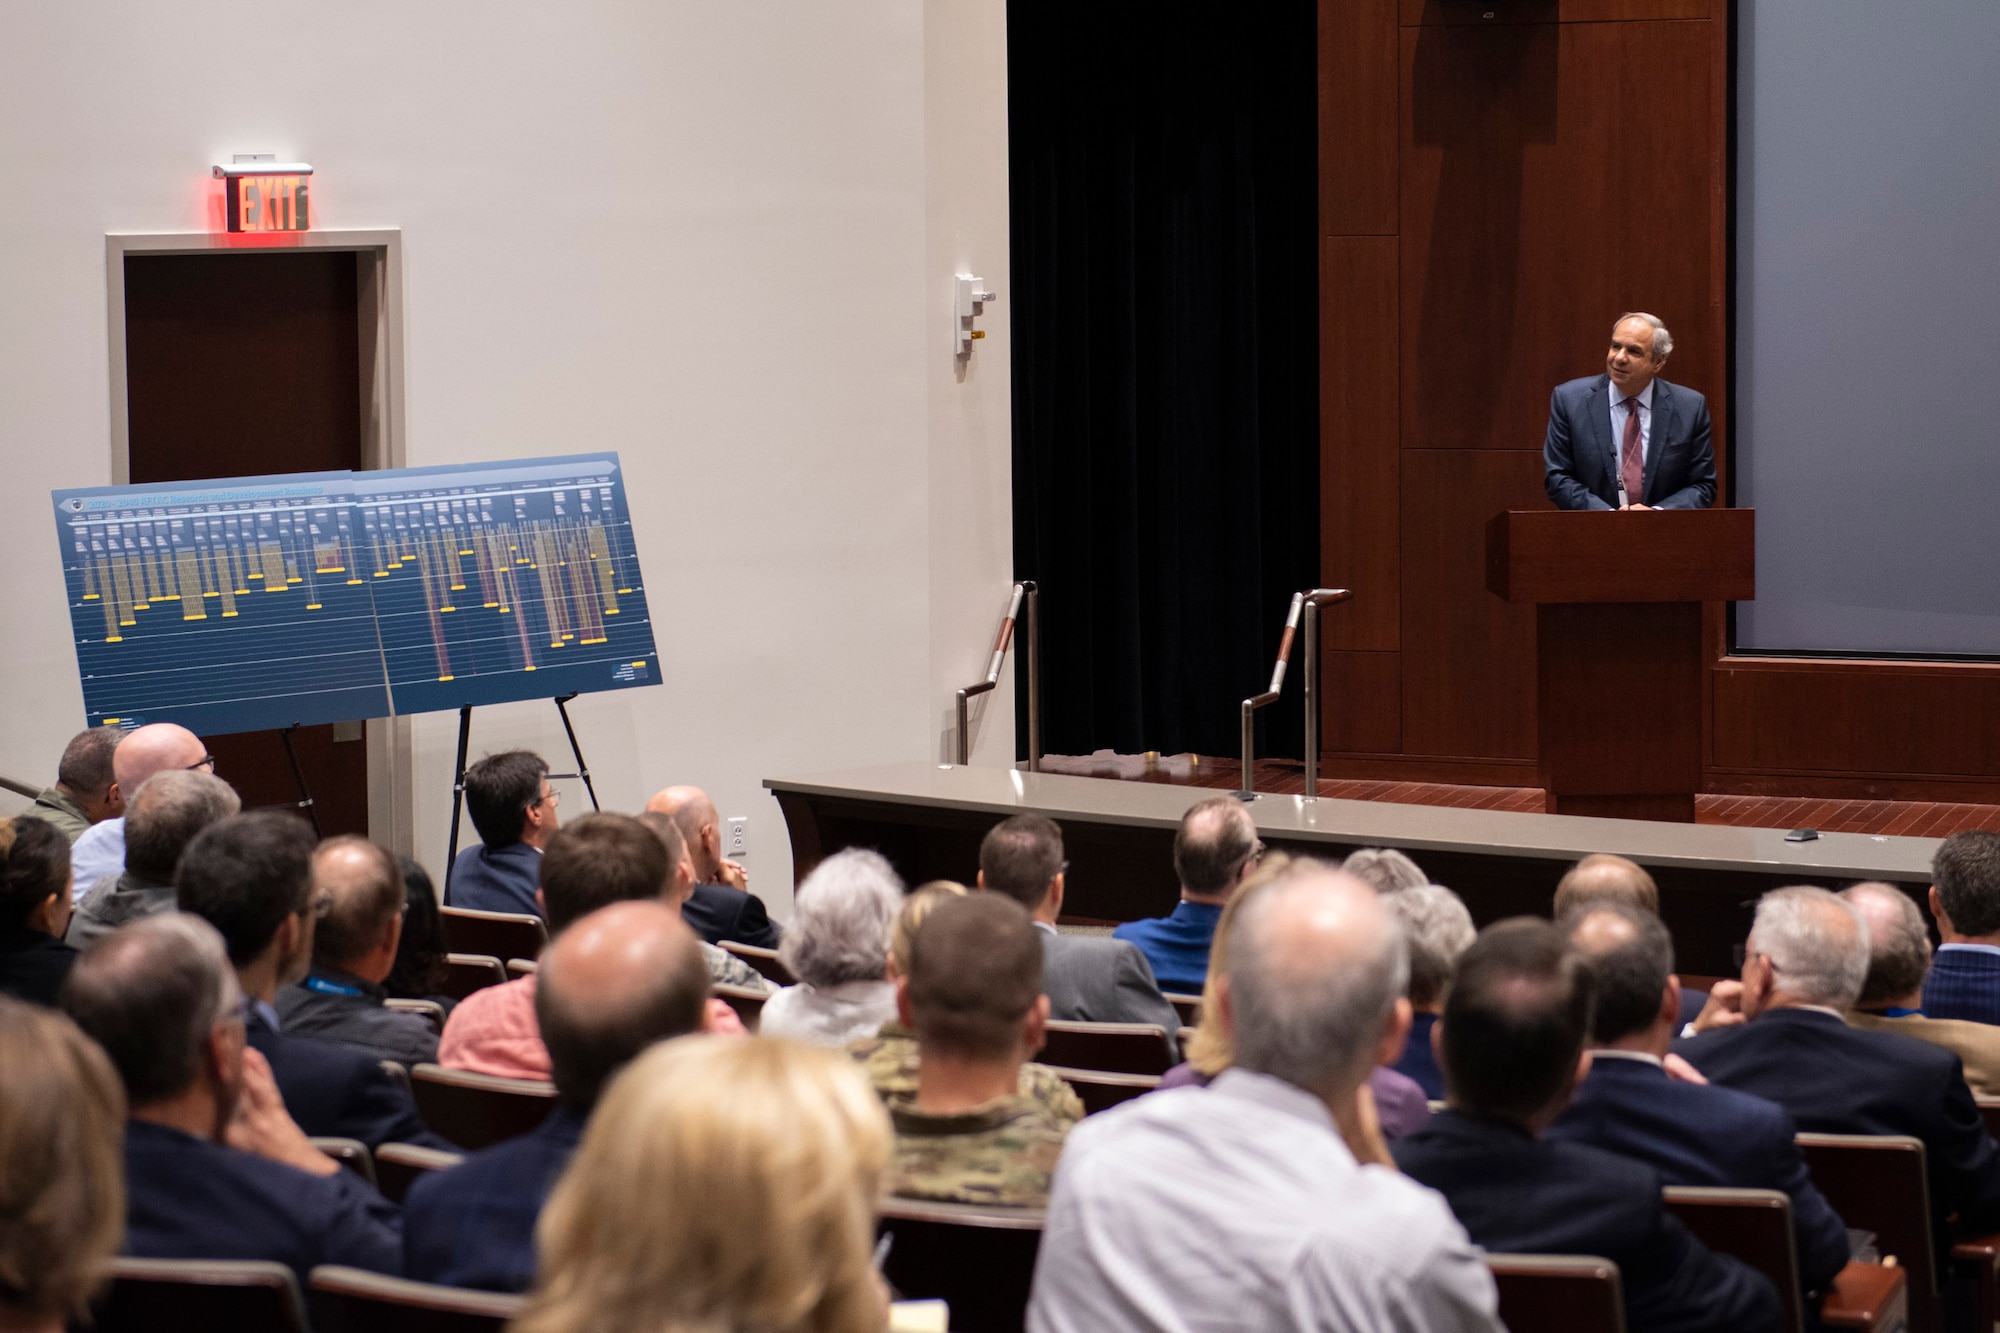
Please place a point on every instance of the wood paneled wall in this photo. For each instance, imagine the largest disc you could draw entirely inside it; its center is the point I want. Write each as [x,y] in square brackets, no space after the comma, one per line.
[1499,179]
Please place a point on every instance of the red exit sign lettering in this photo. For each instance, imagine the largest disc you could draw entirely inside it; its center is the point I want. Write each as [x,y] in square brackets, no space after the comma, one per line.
[267,197]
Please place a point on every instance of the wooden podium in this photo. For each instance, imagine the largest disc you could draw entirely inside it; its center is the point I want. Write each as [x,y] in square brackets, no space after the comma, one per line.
[1617,599]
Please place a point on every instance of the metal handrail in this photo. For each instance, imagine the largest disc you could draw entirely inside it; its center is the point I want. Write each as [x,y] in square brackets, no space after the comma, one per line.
[1026,593]
[20,788]
[1269,696]
[1310,602]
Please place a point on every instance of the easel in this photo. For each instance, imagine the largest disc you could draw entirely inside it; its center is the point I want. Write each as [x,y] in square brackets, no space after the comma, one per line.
[305,801]
[458,777]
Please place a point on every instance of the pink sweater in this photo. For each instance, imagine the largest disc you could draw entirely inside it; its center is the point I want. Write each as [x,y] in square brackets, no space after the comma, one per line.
[493,1031]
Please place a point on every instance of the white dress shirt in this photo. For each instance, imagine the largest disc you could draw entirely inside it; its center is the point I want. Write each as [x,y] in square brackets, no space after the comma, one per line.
[98,854]
[1618,427]
[832,1016]
[1238,1206]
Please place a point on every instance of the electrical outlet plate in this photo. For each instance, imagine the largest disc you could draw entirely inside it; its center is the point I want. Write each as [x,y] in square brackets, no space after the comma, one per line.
[737,842]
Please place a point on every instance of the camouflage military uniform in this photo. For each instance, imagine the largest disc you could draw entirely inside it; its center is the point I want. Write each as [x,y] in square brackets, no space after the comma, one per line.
[890,1059]
[726,969]
[1001,1153]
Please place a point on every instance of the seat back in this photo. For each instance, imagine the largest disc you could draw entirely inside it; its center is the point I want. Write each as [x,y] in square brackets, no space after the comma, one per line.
[521,967]
[350,1153]
[1989,1111]
[1187,1006]
[351,1300]
[399,1165]
[429,1010]
[197,1295]
[1876,1183]
[764,960]
[465,973]
[1571,1292]
[498,934]
[979,1261]
[1121,1048]
[1100,1090]
[748,1004]
[1754,1226]
[478,1110]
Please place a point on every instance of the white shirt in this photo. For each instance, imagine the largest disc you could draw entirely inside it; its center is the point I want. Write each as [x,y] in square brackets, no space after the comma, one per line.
[1618,401]
[834,1016]
[1238,1206]
[98,854]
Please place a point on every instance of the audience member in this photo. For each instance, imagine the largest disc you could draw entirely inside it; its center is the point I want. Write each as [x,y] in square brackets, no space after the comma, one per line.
[354,946]
[721,1185]
[1804,964]
[722,906]
[1088,978]
[1242,1206]
[598,860]
[1385,869]
[250,876]
[419,971]
[34,909]
[62,1180]
[1964,981]
[974,998]
[1691,1133]
[1400,1105]
[1215,847]
[837,945]
[1439,929]
[1604,878]
[159,747]
[1892,1000]
[84,793]
[214,1167]
[1512,1042]
[611,985]
[513,809]
[165,813]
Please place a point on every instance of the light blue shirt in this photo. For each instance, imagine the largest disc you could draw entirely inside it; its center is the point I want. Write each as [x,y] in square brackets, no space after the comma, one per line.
[1980,948]
[1618,401]
[98,854]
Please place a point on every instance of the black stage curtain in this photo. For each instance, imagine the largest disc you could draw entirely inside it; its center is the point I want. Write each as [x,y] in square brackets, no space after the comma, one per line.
[1166,395]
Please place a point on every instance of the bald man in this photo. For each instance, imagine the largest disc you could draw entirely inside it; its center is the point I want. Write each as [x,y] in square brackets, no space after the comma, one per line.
[1892,999]
[611,985]
[722,906]
[155,748]
[1216,846]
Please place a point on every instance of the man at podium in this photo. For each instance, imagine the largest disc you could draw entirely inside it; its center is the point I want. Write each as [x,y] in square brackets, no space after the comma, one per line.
[1628,439]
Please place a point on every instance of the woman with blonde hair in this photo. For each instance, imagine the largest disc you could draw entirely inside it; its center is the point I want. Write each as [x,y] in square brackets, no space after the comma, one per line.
[723,1185]
[62,1167]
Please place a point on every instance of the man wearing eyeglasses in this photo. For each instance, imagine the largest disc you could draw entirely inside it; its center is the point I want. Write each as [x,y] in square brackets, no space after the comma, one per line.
[1215,848]
[513,808]
[158,747]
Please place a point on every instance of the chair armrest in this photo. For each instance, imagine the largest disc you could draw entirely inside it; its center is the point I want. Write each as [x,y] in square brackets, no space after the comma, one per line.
[1870,1296]
[1978,1257]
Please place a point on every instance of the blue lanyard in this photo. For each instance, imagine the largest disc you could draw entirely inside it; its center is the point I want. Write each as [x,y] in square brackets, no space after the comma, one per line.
[325,987]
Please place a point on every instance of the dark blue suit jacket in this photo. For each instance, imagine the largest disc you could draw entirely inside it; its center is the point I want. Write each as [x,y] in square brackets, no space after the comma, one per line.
[1176,945]
[474,1225]
[717,912]
[496,879]
[1418,1061]
[331,1090]
[1581,456]
[1964,983]
[1835,1079]
[187,1198]
[1515,1194]
[1696,1135]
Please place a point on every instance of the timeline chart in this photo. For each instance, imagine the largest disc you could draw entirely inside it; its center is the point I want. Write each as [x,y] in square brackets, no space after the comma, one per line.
[267,601]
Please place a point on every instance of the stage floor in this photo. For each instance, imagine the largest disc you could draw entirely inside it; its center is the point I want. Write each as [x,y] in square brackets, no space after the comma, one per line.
[1917,819]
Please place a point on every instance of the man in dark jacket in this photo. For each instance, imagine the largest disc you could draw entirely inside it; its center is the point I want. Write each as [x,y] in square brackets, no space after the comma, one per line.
[722,906]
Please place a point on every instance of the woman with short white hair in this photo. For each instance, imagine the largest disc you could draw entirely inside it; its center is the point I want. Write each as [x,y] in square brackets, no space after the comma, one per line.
[837,945]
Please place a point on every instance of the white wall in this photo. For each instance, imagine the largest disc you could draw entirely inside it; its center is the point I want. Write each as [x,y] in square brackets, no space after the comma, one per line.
[718,238]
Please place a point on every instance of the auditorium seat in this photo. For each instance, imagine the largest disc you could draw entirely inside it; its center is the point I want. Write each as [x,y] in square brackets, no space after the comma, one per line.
[430,1010]
[352,1300]
[1558,1293]
[1989,1111]
[748,1004]
[1188,1006]
[1755,1226]
[478,1110]
[499,934]
[979,1261]
[397,1166]
[465,973]
[521,967]
[350,1153]
[764,960]
[1122,1048]
[185,1295]
[1101,1090]
[397,1072]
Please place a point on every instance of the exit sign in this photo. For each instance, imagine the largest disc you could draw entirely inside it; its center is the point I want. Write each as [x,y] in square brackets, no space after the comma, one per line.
[267,196]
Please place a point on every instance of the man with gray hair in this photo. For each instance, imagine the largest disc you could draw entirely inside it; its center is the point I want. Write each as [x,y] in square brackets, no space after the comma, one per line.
[1803,967]
[1267,1199]
[1892,999]
[1215,847]
[1439,928]
[84,793]
[165,814]
[214,1167]
[1627,439]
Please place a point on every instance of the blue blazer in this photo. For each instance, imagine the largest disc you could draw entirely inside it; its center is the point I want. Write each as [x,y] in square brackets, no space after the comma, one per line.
[1418,1061]
[1581,457]
[331,1090]
[1176,945]
[496,879]
[717,912]
[187,1198]
[474,1225]
[1964,983]
[1696,1135]
[1515,1194]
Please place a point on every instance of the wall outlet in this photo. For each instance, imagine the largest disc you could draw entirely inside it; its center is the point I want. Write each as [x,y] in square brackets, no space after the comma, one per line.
[736,843]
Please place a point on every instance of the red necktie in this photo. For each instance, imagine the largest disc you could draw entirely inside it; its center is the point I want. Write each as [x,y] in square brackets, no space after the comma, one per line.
[1631,460]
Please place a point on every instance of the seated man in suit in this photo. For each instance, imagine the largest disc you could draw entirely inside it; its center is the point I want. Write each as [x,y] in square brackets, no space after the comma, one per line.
[513,809]
[1214,848]
[1605,878]
[1964,980]
[1627,439]
[1691,1133]
[598,860]
[354,948]
[611,985]
[1088,978]
[1892,1000]
[158,747]
[250,876]
[85,792]
[1512,1044]
[1803,966]
[1439,928]
[214,1167]
[162,818]
[722,906]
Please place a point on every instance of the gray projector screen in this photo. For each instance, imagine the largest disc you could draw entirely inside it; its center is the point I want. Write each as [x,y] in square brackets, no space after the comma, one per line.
[1867,284]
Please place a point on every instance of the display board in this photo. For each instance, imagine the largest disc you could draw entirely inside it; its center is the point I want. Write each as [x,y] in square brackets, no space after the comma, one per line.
[257,602]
